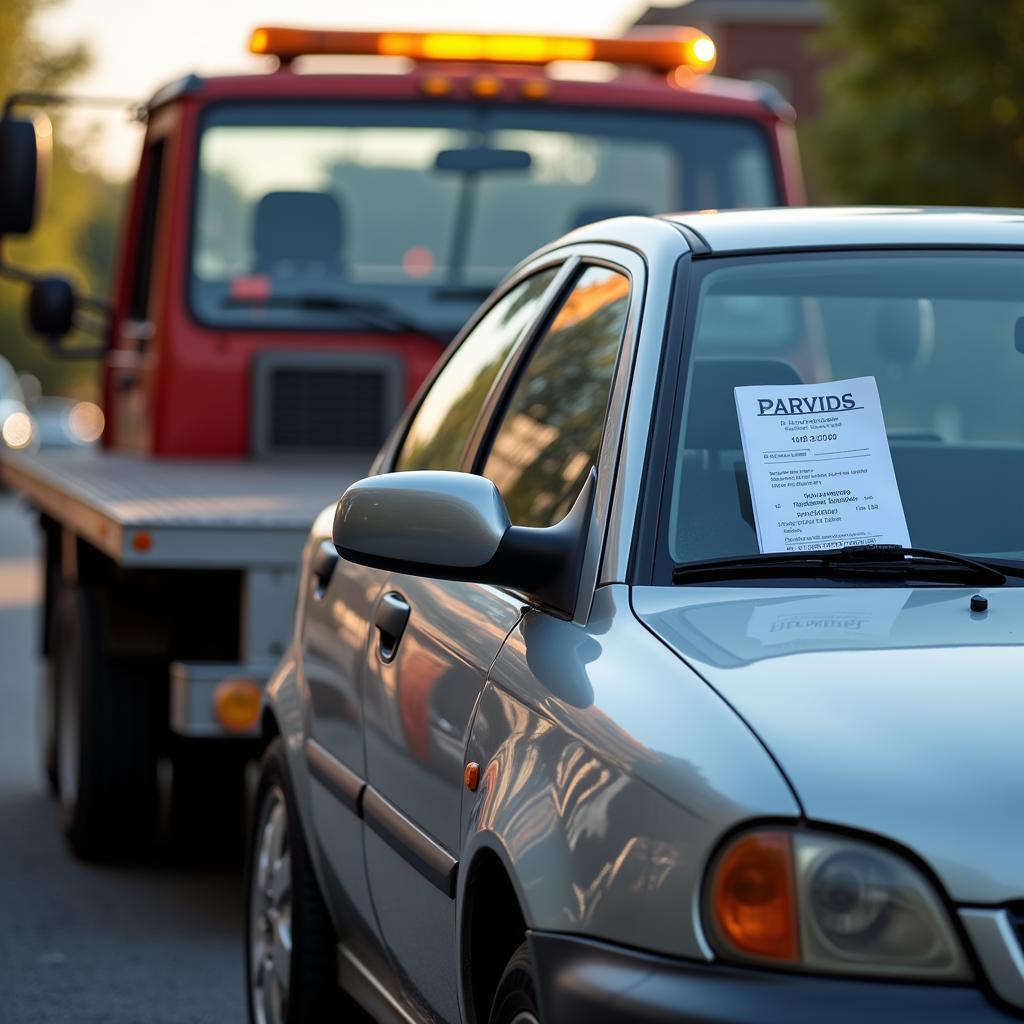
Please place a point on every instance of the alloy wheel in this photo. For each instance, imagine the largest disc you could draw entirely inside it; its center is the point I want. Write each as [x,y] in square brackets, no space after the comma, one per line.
[270,912]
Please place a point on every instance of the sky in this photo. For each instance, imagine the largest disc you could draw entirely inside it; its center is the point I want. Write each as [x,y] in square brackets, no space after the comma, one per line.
[138,45]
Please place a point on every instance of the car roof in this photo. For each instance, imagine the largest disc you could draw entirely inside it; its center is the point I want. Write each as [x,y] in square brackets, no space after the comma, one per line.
[840,227]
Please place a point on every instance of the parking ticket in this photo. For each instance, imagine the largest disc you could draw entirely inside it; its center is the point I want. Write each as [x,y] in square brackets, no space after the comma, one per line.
[819,467]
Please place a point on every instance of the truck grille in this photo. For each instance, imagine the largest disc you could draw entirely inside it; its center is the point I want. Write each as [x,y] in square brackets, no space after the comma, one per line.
[323,403]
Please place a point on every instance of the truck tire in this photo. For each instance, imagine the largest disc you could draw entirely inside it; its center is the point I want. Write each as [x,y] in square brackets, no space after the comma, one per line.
[106,736]
[48,727]
[515,1002]
[290,972]
[208,800]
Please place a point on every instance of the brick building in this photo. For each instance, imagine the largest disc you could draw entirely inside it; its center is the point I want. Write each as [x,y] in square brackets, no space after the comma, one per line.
[766,40]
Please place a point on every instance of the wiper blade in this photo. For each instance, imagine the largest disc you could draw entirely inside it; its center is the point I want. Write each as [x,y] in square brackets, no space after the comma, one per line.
[877,560]
[377,314]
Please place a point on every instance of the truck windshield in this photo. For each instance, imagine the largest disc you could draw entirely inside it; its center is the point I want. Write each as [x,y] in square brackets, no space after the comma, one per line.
[312,215]
[941,334]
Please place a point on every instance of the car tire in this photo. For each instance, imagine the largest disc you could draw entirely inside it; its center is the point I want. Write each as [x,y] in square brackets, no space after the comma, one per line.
[106,737]
[301,988]
[515,1002]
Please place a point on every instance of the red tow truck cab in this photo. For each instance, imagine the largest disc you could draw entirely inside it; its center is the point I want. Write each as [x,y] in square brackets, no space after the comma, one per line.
[176,384]
[299,249]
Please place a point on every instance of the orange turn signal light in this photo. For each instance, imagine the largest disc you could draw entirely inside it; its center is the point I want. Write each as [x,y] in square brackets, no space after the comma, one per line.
[435,85]
[752,899]
[486,86]
[236,704]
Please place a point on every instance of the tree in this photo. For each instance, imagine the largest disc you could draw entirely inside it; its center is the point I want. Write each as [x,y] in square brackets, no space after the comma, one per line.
[75,234]
[925,103]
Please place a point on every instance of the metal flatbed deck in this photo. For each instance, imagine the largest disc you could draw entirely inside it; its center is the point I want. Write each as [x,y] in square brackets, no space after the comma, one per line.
[200,513]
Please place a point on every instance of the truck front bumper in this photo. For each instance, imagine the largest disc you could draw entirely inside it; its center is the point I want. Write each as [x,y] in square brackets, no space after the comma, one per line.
[582,980]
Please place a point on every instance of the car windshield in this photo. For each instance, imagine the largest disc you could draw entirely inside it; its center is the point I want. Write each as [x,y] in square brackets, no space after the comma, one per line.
[311,215]
[941,333]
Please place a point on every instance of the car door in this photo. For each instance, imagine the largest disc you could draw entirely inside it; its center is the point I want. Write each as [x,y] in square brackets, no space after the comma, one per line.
[436,640]
[342,600]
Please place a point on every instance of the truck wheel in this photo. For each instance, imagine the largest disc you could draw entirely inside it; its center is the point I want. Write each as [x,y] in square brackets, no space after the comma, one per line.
[208,801]
[291,946]
[48,727]
[106,737]
[516,999]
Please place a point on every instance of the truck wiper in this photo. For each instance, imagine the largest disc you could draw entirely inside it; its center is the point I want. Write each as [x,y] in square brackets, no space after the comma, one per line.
[376,314]
[881,561]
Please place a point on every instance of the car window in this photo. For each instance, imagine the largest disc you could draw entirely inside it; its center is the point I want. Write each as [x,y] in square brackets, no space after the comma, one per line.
[941,334]
[443,422]
[551,429]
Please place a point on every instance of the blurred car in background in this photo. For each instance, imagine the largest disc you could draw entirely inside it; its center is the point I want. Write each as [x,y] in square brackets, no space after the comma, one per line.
[66,423]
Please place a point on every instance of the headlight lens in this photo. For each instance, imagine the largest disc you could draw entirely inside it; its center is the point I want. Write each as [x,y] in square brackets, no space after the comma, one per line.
[819,902]
[85,421]
[18,431]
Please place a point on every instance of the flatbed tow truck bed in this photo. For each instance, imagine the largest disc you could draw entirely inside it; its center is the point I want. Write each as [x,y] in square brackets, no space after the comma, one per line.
[145,513]
[175,513]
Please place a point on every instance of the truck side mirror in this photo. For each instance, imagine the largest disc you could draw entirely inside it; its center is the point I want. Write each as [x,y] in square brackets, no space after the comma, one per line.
[24,168]
[51,307]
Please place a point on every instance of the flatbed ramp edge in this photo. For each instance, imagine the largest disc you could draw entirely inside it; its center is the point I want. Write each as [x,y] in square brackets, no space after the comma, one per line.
[168,513]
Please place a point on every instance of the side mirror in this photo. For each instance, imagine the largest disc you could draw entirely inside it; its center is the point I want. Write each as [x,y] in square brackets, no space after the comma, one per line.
[51,307]
[455,526]
[24,168]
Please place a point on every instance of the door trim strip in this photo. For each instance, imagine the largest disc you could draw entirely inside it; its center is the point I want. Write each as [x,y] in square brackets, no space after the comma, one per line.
[362,985]
[410,842]
[405,837]
[337,777]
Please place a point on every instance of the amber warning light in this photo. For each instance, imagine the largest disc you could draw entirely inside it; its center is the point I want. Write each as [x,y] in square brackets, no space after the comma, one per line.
[660,50]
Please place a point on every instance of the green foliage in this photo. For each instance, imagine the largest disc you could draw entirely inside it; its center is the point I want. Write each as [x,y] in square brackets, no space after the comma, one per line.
[925,103]
[76,232]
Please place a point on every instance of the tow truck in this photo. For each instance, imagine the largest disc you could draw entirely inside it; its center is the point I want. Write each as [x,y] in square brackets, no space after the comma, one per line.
[299,247]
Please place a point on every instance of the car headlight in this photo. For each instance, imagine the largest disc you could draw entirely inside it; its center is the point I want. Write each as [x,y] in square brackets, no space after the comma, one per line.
[85,421]
[811,901]
[18,431]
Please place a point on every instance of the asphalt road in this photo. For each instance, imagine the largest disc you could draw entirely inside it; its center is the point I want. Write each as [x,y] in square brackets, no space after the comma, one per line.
[150,944]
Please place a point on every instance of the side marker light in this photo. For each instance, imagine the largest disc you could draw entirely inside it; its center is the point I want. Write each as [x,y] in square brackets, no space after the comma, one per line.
[236,704]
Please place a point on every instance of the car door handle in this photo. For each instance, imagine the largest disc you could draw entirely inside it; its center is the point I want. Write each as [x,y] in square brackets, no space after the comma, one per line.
[390,620]
[324,563]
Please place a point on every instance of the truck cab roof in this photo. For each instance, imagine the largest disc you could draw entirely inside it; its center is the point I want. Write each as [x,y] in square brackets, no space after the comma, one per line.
[505,83]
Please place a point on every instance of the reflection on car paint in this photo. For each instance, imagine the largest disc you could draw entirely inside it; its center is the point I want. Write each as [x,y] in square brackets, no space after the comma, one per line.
[593,796]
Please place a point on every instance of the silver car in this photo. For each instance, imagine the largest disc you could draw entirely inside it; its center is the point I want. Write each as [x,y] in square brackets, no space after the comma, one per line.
[559,740]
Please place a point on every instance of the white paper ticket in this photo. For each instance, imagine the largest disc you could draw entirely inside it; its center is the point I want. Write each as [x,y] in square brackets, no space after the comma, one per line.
[819,466]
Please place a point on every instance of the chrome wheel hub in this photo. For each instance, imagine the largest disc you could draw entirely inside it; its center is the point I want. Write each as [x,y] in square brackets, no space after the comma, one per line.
[270,913]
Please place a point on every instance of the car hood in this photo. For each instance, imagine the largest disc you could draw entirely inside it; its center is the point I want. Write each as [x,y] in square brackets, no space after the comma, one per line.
[898,711]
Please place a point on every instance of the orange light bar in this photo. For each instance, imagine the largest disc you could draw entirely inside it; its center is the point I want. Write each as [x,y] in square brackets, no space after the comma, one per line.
[660,50]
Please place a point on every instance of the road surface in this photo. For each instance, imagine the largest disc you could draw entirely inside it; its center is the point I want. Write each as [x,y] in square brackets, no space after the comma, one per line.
[152,944]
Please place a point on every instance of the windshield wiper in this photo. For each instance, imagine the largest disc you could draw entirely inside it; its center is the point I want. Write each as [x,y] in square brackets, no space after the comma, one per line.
[376,314]
[880,561]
